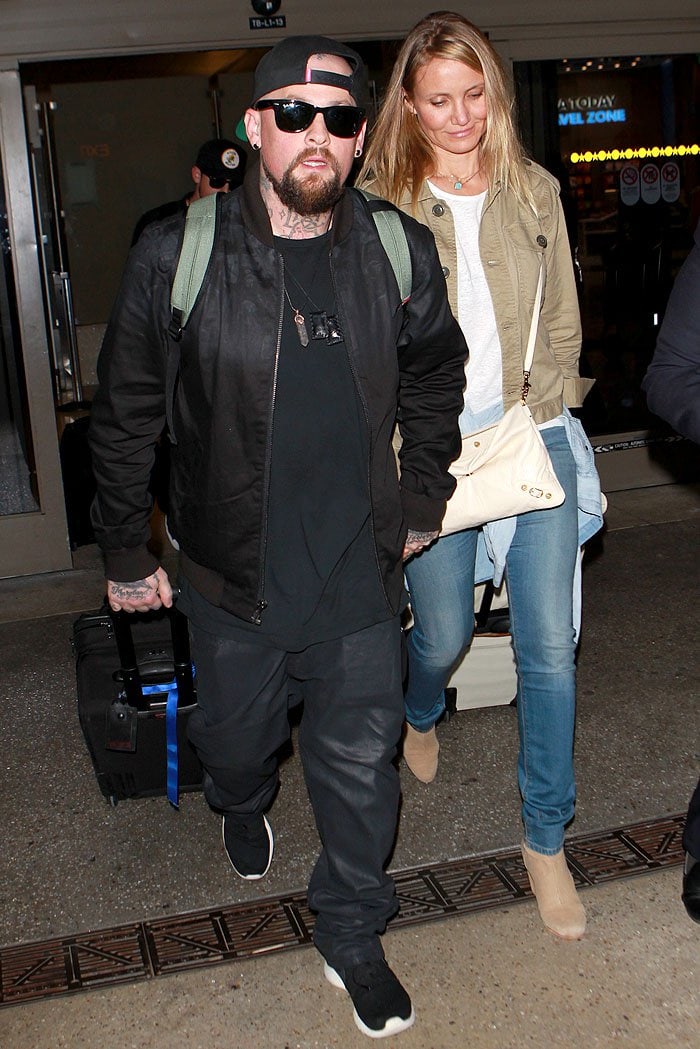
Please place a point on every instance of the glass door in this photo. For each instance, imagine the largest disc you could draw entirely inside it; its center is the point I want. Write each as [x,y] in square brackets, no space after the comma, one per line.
[18,489]
[621,135]
[33,533]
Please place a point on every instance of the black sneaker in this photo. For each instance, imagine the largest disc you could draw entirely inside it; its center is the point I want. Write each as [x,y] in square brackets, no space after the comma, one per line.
[691,887]
[249,845]
[382,1006]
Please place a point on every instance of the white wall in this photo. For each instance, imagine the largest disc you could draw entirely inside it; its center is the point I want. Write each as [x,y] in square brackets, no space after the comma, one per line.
[536,29]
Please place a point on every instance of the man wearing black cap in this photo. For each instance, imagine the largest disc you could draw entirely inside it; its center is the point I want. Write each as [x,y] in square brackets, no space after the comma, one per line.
[281,396]
[219,167]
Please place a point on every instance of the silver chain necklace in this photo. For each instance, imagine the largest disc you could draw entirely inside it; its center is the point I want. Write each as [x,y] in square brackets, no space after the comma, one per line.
[299,318]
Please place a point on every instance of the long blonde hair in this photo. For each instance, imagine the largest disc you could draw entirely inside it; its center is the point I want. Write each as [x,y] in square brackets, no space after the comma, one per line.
[400,156]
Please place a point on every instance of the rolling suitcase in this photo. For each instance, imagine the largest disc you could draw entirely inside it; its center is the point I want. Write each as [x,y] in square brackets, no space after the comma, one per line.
[135,684]
[486,674]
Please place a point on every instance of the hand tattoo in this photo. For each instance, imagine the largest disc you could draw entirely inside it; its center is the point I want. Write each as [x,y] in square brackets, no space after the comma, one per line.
[420,537]
[138,591]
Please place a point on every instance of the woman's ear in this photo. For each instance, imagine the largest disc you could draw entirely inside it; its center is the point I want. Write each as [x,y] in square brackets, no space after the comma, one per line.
[408,104]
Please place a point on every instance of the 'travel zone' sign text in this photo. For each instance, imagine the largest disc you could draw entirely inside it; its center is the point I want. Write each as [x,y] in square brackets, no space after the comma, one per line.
[590,109]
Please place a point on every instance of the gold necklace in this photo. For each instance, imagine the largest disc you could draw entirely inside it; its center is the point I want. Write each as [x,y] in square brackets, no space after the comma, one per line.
[458,180]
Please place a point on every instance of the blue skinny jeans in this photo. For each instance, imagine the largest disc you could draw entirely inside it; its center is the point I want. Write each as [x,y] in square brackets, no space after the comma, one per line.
[539,574]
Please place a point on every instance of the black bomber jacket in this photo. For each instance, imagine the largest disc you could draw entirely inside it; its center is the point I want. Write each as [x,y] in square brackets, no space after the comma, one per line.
[215,391]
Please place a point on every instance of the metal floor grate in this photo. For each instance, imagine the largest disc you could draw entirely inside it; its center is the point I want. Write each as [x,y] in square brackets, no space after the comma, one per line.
[143,950]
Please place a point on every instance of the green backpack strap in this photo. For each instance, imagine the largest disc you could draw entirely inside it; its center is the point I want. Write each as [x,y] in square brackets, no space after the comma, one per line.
[198,241]
[393,238]
[197,244]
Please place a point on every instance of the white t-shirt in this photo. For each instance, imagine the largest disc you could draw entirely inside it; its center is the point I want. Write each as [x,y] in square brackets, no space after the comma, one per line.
[475,313]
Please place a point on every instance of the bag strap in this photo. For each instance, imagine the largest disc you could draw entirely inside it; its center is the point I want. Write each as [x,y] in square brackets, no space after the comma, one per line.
[197,244]
[394,241]
[534,322]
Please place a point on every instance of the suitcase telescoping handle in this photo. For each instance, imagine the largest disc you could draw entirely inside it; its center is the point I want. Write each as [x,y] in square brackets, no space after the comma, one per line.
[131,679]
[182,660]
[180,692]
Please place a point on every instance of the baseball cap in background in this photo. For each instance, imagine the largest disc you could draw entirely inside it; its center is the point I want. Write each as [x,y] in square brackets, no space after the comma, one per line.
[220,158]
[287,63]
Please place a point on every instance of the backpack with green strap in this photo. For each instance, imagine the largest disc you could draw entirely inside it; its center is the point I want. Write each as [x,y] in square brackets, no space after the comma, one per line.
[198,241]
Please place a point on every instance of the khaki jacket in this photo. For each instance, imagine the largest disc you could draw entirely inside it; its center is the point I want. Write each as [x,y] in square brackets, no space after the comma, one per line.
[513,241]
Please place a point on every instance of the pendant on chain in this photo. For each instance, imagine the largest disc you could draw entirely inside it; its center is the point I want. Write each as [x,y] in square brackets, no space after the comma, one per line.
[301,327]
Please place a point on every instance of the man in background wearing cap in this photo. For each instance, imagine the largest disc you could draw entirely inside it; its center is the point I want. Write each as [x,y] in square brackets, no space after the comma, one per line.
[219,167]
[281,397]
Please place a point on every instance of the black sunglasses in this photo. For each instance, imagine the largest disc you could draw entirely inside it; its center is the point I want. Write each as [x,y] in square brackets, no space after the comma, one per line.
[219,181]
[294,116]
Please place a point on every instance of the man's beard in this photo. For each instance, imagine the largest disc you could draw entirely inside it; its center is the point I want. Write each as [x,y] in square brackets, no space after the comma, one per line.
[312,195]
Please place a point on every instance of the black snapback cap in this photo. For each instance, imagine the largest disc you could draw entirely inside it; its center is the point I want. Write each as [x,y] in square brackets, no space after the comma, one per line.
[287,63]
[222,158]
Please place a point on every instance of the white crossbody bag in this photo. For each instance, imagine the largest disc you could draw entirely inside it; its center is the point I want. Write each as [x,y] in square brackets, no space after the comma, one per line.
[504,469]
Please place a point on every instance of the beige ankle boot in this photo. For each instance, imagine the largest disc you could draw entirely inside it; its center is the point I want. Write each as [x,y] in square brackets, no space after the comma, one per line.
[420,751]
[555,892]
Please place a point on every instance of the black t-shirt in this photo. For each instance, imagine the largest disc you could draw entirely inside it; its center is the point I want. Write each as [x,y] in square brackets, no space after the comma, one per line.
[322,579]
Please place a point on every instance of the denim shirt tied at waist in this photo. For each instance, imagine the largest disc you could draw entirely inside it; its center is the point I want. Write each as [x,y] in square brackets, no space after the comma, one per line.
[496,536]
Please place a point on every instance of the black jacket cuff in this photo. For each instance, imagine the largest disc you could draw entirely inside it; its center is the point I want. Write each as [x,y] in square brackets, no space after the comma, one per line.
[129,565]
[422,514]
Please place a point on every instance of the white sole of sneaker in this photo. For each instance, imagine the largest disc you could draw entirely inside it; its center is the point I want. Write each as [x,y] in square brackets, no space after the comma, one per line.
[394,1025]
[271,840]
[333,977]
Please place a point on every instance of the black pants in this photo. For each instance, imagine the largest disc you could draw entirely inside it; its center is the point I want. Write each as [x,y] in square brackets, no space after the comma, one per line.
[350,728]
[691,834]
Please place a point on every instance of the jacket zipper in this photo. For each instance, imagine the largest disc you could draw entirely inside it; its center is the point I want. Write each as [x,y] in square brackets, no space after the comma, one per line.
[261,603]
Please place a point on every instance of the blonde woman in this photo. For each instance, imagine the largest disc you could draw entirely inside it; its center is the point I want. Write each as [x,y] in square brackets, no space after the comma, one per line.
[445,149]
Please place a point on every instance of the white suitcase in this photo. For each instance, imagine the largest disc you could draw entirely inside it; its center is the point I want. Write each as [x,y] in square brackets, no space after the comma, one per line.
[486,676]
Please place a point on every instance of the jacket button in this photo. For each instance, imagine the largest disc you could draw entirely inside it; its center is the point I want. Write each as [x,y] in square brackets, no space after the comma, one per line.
[446,271]
[542,241]
[438,210]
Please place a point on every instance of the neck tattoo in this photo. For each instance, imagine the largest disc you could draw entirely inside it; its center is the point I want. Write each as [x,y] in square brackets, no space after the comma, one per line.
[458,180]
